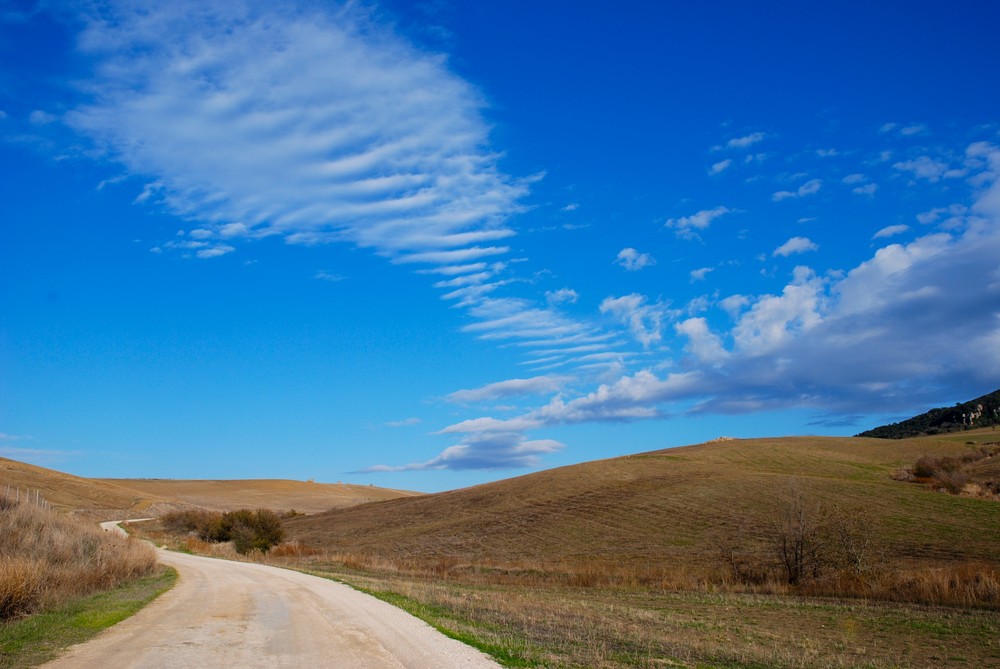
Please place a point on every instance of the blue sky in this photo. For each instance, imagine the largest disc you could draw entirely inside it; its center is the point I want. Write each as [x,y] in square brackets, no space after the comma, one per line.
[426,245]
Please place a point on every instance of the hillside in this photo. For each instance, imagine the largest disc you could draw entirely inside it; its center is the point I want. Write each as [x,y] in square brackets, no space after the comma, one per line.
[111,498]
[669,505]
[978,413]
[275,494]
[71,493]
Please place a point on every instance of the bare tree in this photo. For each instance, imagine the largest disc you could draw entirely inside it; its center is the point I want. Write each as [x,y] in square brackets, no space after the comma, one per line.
[797,534]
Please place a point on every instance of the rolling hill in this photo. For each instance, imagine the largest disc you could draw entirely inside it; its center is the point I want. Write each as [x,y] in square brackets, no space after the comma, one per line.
[670,505]
[275,494]
[113,498]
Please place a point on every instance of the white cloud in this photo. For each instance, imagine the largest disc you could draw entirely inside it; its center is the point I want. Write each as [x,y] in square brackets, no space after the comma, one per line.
[915,129]
[774,319]
[827,153]
[794,246]
[324,275]
[382,147]
[406,422]
[928,168]
[561,296]
[629,398]
[633,261]
[851,179]
[39,117]
[808,188]
[891,231]
[702,343]
[700,273]
[745,141]
[572,206]
[510,388]
[685,226]
[867,189]
[489,450]
[734,304]
[644,320]
[720,167]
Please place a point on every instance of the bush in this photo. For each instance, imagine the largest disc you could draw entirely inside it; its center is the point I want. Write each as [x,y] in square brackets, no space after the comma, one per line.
[248,530]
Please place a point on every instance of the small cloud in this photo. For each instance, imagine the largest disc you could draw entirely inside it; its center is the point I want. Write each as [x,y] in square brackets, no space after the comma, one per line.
[915,129]
[854,179]
[808,188]
[794,246]
[807,219]
[734,304]
[3,114]
[645,321]
[511,388]
[867,189]
[891,231]
[745,141]
[888,127]
[572,206]
[955,211]
[323,275]
[406,422]
[700,273]
[39,117]
[924,167]
[720,167]
[633,261]
[214,251]
[685,226]
[561,296]
[827,153]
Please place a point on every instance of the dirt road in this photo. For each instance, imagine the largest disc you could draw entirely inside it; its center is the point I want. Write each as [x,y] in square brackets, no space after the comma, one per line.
[233,614]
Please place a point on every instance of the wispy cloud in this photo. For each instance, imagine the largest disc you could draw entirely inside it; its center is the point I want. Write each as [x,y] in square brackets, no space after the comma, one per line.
[891,231]
[685,226]
[406,422]
[225,113]
[645,320]
[561,296]
[720,167]
[510,388]
[794,246]
[633,261]
[931,169]
[810,187]
[745,141]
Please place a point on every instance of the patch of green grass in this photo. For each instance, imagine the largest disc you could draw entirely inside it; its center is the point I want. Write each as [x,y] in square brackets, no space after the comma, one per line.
[440,618]
[39,638]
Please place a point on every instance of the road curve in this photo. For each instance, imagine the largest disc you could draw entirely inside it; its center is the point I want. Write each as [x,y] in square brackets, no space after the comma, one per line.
[235,614]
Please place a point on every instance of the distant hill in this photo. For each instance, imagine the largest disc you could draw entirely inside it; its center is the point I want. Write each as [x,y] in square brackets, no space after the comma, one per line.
[120,498]
[274,494]
[980,412]
[667,506]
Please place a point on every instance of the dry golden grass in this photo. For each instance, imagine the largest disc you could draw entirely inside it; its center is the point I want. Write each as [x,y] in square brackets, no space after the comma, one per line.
[669,507]
[47,557]
[273,494]
[119,498]
[71,493]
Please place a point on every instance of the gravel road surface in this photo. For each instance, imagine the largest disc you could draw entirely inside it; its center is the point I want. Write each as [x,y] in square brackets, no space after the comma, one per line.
[234,614]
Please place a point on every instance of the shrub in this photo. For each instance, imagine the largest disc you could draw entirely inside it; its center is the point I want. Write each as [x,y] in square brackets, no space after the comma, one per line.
[248,530]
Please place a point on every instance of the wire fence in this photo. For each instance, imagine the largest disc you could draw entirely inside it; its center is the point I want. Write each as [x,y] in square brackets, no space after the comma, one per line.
[15,495]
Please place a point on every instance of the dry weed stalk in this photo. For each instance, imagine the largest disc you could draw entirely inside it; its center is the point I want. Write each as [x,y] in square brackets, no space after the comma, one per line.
[47,557]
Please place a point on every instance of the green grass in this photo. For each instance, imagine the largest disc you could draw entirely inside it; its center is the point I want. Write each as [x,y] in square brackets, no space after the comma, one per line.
[39,638]
[596,628]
